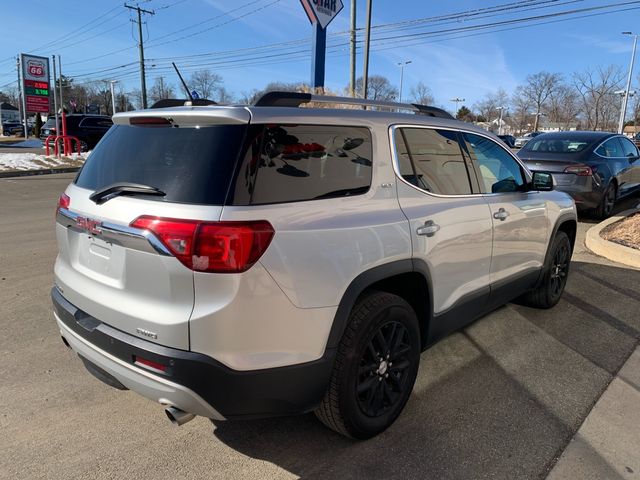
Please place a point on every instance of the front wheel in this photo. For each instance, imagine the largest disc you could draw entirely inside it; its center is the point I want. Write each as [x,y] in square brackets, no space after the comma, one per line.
[375,367]
[555,275]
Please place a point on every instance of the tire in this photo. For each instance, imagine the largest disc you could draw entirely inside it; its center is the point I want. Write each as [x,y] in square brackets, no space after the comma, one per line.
[367,391]
[605,209]
[554,279]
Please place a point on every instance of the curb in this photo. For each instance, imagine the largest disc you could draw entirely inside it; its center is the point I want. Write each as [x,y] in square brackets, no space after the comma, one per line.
[44,171]
[613,251]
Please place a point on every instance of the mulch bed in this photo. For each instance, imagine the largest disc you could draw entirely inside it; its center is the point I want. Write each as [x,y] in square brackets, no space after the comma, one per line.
[625,232]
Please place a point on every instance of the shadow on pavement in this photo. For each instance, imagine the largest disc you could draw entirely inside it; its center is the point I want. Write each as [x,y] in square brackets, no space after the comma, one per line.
[500,399]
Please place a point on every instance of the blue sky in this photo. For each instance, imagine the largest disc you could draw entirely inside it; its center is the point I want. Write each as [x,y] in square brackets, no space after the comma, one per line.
[269,40]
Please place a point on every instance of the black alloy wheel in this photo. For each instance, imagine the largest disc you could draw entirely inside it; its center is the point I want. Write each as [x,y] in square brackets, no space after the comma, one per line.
[383,374]
[559,270]
[555,274]
[375,367]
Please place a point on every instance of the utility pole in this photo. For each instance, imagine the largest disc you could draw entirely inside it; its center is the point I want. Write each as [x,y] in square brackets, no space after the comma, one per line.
[143,82]
[352,50]
[365,73]
[500,121]
[625,98]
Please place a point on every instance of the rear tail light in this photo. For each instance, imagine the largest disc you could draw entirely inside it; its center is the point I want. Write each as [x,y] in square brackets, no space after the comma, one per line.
[216,247]
[63,202]
[580,170]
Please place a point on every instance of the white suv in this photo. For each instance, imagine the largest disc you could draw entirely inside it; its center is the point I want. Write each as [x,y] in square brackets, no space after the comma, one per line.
[251,261]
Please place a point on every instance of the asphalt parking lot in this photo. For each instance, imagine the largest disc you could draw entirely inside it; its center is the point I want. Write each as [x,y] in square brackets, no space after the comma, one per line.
[500,399]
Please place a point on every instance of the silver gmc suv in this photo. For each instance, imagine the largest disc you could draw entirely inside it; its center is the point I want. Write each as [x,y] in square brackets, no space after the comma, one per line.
[251,261]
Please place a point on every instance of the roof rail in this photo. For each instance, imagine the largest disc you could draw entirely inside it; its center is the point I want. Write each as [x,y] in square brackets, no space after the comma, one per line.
[181,102]
[295,99]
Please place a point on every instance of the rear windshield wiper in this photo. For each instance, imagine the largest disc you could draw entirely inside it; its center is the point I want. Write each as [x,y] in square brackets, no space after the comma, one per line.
[123,188]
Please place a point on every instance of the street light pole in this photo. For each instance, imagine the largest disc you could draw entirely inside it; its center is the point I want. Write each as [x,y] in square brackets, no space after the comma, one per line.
[625,99]
[113,96]
[500,121]
[457,100]
[402,65]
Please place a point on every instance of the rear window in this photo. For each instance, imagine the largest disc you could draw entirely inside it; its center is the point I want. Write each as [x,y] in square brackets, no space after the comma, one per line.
[96,122]
[191,165]
[293,163]
[549,145]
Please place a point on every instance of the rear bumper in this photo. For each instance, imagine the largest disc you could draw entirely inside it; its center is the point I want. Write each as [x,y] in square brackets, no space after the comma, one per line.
[192,382]
[583,189]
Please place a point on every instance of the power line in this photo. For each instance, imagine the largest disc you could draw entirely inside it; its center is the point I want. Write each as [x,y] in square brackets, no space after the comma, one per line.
[385,43]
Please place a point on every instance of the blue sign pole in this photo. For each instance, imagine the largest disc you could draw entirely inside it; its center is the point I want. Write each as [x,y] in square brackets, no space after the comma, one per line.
[319,50]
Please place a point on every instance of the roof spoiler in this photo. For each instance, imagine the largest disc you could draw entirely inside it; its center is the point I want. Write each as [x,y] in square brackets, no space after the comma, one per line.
[295,99]
[179,102]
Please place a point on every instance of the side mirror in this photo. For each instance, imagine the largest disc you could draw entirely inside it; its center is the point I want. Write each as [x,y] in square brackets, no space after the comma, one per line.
[542,182]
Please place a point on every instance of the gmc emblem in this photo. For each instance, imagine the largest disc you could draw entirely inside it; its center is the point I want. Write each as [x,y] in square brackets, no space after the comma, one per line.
[89,225]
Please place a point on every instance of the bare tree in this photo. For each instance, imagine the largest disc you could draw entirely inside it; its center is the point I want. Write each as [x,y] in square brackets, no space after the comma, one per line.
[249,97]
[521,117]
[421,94]
[563,106]
[596,87]
[205,83]
[489,106]
[539,87]
[378,88]
[161,90]
[224,96]
[10,95]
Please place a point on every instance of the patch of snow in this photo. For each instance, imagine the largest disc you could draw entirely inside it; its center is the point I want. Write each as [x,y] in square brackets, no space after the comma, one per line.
[34,161]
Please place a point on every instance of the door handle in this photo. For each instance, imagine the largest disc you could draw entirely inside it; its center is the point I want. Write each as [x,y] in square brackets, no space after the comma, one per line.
[501,214]
[429,229]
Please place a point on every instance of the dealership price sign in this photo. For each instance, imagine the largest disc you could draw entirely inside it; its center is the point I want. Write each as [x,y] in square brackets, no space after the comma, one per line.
[35,76]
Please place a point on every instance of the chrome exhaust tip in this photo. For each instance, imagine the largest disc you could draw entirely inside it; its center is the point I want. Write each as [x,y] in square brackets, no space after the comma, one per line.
[178,417]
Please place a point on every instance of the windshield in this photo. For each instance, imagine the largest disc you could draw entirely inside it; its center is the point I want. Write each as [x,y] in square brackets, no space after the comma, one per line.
[553,145]
[191,165]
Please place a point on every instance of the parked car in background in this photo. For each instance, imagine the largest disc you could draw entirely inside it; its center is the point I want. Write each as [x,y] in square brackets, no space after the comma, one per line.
[88,129]
[522,141]
[636,139]
[10,128]
[595,168]
[510,140]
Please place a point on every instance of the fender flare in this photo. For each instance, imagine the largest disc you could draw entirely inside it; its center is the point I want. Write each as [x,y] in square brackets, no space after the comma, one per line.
[367,278]
[563,218]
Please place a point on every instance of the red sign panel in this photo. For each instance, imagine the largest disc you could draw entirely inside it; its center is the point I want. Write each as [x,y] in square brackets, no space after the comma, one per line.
[37,104]
[34,84]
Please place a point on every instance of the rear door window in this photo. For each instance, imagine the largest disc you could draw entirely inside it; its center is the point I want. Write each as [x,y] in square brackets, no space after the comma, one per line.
[628,148]
[96,122]
[610,149]
[293,163]
[432,160]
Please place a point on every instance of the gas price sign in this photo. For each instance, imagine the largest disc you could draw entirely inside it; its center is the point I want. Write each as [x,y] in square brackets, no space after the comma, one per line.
[35,75]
